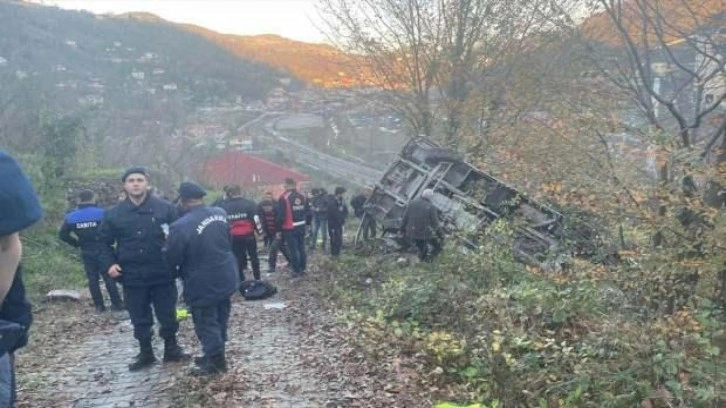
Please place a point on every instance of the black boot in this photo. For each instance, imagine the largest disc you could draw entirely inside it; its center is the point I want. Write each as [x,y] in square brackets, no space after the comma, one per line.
[117,307]
[173,352]
[212,365]
[145,358]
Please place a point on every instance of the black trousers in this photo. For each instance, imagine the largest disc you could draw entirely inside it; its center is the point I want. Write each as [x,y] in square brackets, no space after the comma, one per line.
[210,325]
[245,246]
[139,300]
[369,227]
[428,248]
[336,238]
[276,245]
[94,271]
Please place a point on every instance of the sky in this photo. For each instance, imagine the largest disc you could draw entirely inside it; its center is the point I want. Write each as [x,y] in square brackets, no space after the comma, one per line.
[295,19]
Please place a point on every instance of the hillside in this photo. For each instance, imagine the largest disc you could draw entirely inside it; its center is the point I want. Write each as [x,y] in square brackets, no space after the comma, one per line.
[683,16]
[126,75]
[318,64]
[47,40]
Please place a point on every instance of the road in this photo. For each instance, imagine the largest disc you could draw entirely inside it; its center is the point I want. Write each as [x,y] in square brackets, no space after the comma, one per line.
[347,169]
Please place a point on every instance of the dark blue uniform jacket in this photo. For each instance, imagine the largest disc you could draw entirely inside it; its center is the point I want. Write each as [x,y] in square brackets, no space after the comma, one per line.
[19,206]
[138,232]
[200,245]
[80,228]
[20,209]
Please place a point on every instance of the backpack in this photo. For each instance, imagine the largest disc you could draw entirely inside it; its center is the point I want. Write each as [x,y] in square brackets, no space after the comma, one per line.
[257,290]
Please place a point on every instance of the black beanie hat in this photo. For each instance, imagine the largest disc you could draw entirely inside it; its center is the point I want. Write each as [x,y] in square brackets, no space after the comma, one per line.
[134,170]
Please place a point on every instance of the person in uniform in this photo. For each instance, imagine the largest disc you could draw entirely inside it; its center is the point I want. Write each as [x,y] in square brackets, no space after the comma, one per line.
[137,227]
[80,230]
[293,214]
[199,248]
[242,216]
[20,209]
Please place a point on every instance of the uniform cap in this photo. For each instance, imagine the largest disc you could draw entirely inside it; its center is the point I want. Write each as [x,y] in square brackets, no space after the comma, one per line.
[134,170]
[189,190]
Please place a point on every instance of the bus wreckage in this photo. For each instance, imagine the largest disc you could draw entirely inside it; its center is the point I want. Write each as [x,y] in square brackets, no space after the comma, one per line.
[468,200]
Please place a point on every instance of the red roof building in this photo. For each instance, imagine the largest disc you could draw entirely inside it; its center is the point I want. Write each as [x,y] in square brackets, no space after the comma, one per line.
[247,171]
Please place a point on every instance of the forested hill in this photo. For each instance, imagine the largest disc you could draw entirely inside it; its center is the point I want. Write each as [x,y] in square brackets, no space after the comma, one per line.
[128,69]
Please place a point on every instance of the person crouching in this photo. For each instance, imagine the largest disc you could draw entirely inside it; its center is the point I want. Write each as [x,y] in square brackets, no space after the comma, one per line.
[199,246]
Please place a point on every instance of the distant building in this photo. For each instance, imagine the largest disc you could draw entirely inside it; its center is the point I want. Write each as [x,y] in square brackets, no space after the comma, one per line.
[248,171]
[138,75]
[71,44]
[3,62]
[158,71]
[170,87]
[241,143]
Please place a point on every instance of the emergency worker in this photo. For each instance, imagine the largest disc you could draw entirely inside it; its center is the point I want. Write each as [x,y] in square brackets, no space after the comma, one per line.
[293,214]
[137,226]
[242,216]
[337,213]
[421,225]
[199,247]
[80,230]
[20,209]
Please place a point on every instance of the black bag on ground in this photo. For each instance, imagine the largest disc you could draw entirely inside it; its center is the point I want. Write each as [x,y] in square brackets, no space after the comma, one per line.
[257,289]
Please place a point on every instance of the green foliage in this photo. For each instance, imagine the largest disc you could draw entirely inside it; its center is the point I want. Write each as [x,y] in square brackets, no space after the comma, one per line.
[62,139]
[49,264]
[491,329]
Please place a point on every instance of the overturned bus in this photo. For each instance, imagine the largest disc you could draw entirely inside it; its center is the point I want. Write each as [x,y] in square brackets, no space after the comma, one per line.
[468,200]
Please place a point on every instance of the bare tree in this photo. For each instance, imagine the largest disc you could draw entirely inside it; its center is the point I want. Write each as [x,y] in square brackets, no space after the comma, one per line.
[432,55]
[668,56]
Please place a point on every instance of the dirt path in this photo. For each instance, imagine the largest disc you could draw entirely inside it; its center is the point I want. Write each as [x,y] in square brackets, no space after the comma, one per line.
[269,349]
[284,352]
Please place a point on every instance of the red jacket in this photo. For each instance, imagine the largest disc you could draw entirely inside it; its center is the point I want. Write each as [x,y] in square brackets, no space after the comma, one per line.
[293,210]
[241,214]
